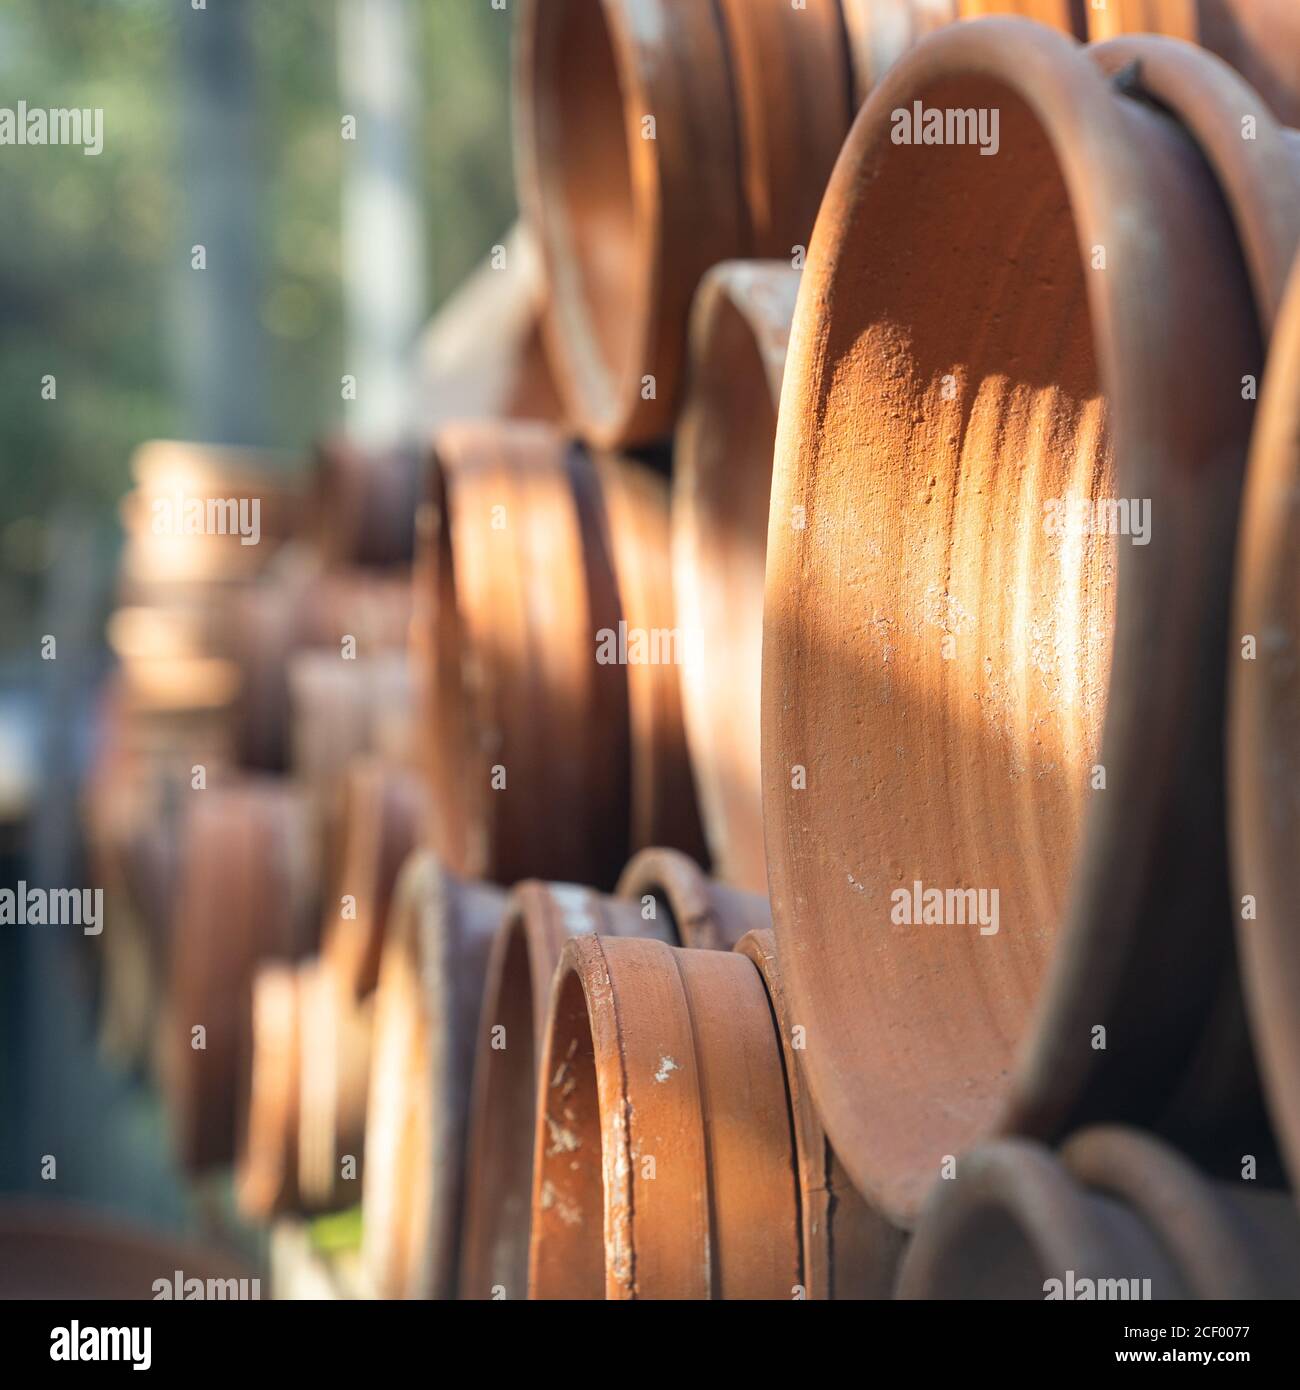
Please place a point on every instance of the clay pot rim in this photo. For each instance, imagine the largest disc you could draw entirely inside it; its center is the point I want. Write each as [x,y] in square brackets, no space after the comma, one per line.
[608,403]
[684,886]
[1208,98]
[1015,1181]
[1111,202]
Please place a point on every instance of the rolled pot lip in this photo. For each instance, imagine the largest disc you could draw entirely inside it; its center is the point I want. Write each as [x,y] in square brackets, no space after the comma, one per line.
[608,405]
[1111,203]
[678,879]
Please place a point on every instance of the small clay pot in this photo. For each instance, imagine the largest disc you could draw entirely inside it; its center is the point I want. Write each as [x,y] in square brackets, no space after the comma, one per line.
[664,1163]
[539,919]
[722,479]
[426,1014]
[964,691]
[1116,1215]
[700,912]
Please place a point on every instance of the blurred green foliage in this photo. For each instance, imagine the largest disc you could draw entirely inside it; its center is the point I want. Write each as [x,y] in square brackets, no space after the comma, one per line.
[90,247]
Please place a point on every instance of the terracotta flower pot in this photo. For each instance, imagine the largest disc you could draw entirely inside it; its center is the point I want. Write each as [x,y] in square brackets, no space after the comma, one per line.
[363,503]
[247,894]
[722,478]
[514,581]
[701,912]
[266,1162]
[538,920]
[790,72]
[1260,38]
[849,1251]
[1115,1210]
[881,31]
[426,1012]
[627,216]
[384,816]
[664,1162]
[966,691]
[1264,738]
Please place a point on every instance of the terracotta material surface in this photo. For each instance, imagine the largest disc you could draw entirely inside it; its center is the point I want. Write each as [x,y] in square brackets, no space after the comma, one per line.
[60,1250]
[514,581]
[701,912]
[722,477]
[1116,1205]
[363,503]
[848,1250]
[266,1167]
[945,681]
[1264,730]
[790,73]
[664,1161]
[1260,38]
[663,811]
[881,31]
[626,224]
[426,1012]
[247,894]
[384,815]
[539,919]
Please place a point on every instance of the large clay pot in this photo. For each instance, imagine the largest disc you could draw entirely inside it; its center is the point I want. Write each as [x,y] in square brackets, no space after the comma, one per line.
[962,694]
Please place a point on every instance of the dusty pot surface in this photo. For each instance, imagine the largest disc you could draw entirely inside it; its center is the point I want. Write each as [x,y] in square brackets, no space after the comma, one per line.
[991,695]
[514,580]
[247,894]
[1264,732]
[722,479]
[426,1013]
[539,919]
[848,1250]
[664,1162]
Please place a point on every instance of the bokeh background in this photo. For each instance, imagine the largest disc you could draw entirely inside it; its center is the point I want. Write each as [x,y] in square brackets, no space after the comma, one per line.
[222,127]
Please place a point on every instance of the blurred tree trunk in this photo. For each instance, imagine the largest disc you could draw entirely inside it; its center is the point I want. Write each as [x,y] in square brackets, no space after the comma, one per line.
[383,262]
[220,350]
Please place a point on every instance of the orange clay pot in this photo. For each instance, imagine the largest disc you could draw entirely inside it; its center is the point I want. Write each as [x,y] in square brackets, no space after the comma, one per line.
[955,695]
[1019,1222]
[722,478]
[664,1163]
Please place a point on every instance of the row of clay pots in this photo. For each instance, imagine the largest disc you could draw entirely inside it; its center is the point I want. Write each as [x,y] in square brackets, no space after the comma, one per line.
[955,696]
[531,550]
[654,145]
[1116,1214]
